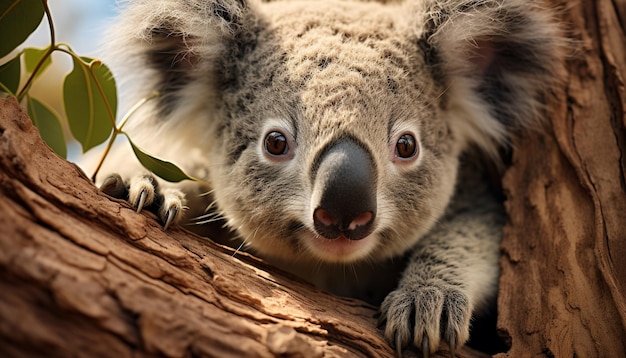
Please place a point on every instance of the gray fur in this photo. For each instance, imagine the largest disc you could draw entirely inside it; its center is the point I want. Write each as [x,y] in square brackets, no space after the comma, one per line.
[454,74]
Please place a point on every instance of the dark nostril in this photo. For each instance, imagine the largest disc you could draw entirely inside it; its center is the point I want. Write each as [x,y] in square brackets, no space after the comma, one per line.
[324,217]
[332,228]
[361,220]
[325,224]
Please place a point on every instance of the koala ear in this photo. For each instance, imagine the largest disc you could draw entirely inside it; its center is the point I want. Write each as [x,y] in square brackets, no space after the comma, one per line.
[176,46]
[495,59]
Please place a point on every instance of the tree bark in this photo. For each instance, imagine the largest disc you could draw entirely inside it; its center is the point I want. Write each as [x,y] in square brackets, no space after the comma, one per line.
[563,283]
[82,274]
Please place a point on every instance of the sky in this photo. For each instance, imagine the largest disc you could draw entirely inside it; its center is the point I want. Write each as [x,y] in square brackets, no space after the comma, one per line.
[80,23]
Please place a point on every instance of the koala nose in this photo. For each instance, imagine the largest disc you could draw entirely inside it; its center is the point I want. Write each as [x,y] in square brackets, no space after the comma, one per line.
[345,185]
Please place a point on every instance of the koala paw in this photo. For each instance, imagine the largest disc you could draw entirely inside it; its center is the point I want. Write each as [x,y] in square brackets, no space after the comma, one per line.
[423,315]
[142,192]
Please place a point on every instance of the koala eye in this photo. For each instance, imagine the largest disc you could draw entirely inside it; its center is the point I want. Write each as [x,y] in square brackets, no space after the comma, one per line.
[406,146]
[276,143]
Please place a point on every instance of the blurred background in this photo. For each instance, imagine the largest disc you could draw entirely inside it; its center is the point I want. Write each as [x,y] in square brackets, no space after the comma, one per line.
[82,25]
[78,22]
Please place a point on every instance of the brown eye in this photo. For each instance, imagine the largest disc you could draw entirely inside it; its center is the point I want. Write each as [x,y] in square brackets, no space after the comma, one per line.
[406,147]
[276,143]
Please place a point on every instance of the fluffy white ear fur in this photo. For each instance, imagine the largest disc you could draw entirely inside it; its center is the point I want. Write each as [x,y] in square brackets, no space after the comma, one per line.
[198,26]
[167,41]
[496,59]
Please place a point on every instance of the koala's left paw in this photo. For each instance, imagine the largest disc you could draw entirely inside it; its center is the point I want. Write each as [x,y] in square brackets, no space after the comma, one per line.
[423,315]
[142,192]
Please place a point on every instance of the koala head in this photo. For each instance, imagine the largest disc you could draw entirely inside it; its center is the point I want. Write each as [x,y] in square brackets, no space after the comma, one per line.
[331,130]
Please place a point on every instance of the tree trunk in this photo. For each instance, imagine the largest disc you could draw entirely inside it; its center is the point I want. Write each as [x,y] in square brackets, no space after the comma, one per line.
[563,283]
[82,274]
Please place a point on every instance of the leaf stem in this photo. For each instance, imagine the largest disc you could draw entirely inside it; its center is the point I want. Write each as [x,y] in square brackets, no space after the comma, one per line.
[117,130]
[71,52]
[134,109]
[91,67]
[4,89]
[43,59]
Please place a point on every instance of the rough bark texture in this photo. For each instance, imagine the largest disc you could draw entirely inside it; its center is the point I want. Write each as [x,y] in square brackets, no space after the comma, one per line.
[563,284]
[82,274]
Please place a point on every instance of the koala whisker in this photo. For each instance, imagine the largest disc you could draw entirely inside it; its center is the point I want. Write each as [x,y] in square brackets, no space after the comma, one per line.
[207,193]
[246,240]
[211,214]
[209,217]
[243,243]
[211,205]
[352,267]
[377,134]
[208,221]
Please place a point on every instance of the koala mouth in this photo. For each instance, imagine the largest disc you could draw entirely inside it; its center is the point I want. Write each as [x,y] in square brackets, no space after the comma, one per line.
[337,250]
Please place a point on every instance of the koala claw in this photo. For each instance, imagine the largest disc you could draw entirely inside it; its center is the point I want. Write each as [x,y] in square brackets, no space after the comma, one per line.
[452,346]
[142,201]
[142,192]
[114,186]
[425,347]
[171,205]
[414,315]
[170,217]
[398,346]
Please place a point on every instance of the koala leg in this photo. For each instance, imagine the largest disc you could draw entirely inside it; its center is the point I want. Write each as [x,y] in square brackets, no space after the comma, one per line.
[452,274]
[143,192]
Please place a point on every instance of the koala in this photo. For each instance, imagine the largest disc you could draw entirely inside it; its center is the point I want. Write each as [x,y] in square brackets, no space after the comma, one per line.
[343,141]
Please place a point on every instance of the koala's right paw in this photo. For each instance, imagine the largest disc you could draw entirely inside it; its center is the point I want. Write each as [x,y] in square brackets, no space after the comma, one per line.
[424,315]
[142,192]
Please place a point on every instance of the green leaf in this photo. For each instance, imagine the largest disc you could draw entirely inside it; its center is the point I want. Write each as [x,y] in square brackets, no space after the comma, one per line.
[32,56]
[162,169]
[47,121]
[87,114]
[10,76]
[18,19]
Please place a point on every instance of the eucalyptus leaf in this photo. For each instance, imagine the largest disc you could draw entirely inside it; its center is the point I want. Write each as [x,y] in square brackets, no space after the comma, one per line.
[18,19]
[10,76]
[32,56]
[87,114]
[49,125]
[162,169]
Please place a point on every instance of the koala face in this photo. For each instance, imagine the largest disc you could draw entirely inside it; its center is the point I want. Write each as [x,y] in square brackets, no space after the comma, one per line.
[330,133]
[331,130]
[333,147]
